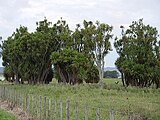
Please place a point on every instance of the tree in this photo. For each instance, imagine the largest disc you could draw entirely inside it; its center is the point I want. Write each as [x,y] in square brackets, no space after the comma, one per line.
[83,44]
[70,66]
[79,43]
[102,46]
[138,49]
[28,54]
[92,74]
[96,43]
[44,43]
[10,52]
[71,61]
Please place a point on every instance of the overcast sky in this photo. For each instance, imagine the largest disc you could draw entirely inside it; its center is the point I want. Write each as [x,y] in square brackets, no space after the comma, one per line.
[14,13]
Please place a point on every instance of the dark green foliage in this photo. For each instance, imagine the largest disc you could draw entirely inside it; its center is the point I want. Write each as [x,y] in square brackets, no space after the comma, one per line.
[27,55]
[70,66]
[92,75]
[93,40]
[8,74]
[111,74]
[11,54]
[139,60]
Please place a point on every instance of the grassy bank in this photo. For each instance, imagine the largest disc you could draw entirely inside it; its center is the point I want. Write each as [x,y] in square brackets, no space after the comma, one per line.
[6,116]
[142,102]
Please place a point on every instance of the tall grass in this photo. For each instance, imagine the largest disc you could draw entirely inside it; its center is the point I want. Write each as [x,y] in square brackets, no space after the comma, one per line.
[141,101]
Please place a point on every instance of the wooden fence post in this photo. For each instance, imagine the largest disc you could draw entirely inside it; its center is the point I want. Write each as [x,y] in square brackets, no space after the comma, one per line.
[0,92]
[22,101]
[130,115]
[40,108]
[61,116]
[111,115]
[98,114]
[49,109]
[26,102]
[38,114]
[44,108]
[67,110]
[10,96]
[18,99]
[20,105]
[13,96]
[32,110]
[4,93]
[55,111]
[86,112]
[7,95]
[76,110]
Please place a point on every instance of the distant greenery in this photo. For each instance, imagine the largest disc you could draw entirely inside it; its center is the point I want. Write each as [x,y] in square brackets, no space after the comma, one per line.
[111,74]
[6,116]
[143,102]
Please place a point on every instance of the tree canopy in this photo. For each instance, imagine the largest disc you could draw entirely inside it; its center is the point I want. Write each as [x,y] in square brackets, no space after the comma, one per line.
[27,55]
[78,56]
[139,51]
[31,56]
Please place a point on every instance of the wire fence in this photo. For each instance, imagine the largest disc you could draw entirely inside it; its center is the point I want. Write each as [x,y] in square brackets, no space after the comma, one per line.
[43,108]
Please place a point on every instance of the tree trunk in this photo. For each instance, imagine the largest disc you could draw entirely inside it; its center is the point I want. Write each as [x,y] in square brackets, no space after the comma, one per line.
[17,79]
[100,76]
[122,79]
[61,74]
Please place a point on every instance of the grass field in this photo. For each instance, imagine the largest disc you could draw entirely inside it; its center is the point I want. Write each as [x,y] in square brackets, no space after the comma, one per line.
[6,116]
[141,101]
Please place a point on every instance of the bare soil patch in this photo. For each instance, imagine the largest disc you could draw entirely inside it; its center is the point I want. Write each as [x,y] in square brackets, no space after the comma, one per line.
[16,111]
